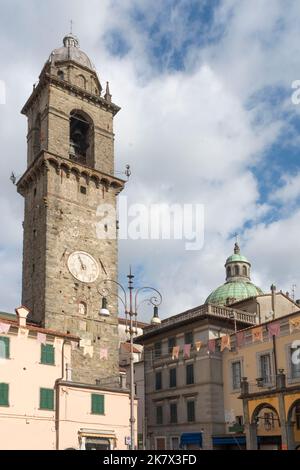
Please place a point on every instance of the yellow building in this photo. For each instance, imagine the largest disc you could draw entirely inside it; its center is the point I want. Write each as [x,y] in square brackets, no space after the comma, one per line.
[262,386]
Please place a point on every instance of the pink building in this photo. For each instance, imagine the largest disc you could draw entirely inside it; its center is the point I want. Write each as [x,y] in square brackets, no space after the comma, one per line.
[41,407]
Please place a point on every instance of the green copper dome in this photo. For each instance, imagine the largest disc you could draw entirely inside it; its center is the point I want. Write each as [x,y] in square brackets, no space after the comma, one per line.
[233,291]
[238,285]
[237,258]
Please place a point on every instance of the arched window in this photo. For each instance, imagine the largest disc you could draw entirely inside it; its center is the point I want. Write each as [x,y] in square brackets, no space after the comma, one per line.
[80,137]
[237,270]
[61,74]
[37,136]
[228,271]
[245,271]
[82,308]
[81,81]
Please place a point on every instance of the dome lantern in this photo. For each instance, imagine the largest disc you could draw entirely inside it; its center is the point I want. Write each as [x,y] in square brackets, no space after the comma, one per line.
[238,285]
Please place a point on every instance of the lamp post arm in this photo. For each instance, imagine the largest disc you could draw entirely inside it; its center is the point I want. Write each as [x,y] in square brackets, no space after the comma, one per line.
[109,293]
[154,300]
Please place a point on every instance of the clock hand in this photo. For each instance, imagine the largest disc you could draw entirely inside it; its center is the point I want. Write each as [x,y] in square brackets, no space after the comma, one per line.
[82,265]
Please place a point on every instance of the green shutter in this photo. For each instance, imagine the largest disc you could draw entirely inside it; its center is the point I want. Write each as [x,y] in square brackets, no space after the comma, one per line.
[4,394]
[46,399]
[97,404]
[4,347]
[47,354]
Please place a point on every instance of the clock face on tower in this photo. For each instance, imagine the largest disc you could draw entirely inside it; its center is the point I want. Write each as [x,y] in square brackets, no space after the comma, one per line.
[83,266]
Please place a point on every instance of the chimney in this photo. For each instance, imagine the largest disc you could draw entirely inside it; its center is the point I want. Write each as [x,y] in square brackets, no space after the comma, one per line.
[273,291]
[22,313]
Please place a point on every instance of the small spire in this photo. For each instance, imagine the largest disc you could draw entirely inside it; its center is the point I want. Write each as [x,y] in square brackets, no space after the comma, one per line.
[107,95]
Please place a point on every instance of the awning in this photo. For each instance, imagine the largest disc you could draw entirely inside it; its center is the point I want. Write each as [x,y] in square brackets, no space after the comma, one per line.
[229,440]
[191,438]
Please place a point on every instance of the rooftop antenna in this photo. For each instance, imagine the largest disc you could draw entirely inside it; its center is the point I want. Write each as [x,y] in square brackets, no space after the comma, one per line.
[293,291]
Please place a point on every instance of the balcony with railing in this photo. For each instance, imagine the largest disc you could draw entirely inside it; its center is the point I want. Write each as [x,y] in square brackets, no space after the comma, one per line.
[207,310]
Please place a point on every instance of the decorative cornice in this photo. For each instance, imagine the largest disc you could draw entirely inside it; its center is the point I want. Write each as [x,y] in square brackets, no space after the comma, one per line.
[47,77]
[45,159]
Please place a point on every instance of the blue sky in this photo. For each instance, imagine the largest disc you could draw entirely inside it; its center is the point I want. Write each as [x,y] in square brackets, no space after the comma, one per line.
[205,89]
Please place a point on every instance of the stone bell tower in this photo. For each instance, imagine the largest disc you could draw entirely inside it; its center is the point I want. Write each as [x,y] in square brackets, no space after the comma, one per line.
[68,249]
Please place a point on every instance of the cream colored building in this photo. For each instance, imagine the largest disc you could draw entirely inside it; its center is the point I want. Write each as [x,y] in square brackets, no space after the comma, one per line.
[41,407]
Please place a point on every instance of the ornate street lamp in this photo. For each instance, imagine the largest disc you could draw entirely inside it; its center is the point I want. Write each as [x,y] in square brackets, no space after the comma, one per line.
[131,311]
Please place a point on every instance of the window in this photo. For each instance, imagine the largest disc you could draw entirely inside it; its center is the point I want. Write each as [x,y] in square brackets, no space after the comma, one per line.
[244,271]
[83,189]
[4,394]
[268,421]
[61,74]
[228,271]
[175,443]
[173,413]
[173,378]
[158,380]
[46,399]
[157,349]
[159,415]
[297,412]
[82,308]
[80,137]
[190,406]
[189,338]
[236,375]
[36,133]
[265,368]
[237,270]
[190,374]
[295,366]
[97,404]
[47,354]
[171,344]
[239,420]
[4,347]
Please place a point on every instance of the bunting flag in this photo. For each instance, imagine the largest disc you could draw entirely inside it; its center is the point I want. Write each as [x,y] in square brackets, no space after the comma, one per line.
[73,345]
[257,334]
[88,350]
[58,343]
[225,342]
[175,352]
[4,328]
[187,350]
[85,342]
[273,329]
[198,345]
[103,353]
[41,338]
[23,333]
[211,345]
[294,324]
[240,339]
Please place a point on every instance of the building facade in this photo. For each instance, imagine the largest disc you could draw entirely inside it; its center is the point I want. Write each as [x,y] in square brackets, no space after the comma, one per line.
[199,385]
[262,387]
[41,407]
